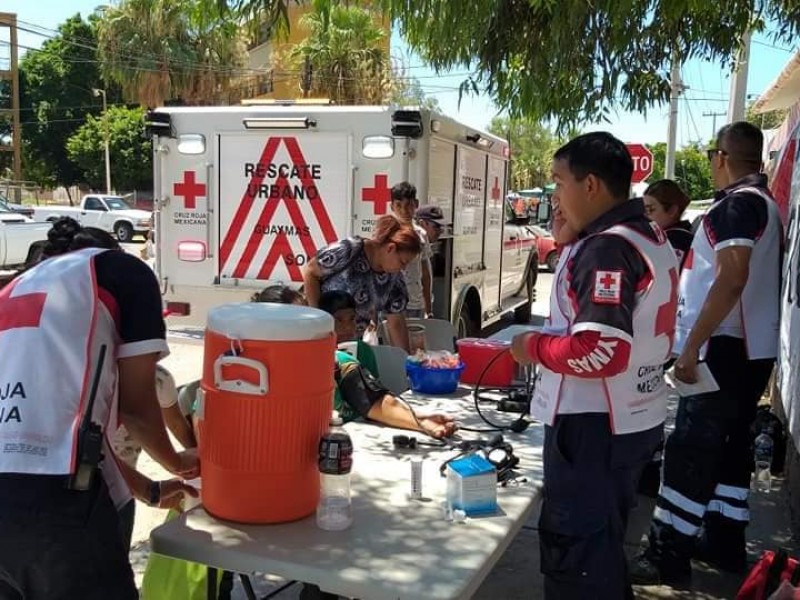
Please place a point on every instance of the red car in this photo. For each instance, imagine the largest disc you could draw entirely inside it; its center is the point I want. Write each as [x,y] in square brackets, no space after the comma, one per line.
[548,255]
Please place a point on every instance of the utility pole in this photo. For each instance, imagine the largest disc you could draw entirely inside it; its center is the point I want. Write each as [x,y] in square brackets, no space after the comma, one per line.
[714,116]
[102,93]
[10,20]
[676,87]
[738,95]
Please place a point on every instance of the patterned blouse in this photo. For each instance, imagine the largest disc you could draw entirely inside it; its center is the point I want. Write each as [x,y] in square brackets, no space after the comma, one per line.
[345,267]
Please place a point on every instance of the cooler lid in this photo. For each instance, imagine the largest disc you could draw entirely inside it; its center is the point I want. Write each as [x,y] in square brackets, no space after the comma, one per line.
[269,322]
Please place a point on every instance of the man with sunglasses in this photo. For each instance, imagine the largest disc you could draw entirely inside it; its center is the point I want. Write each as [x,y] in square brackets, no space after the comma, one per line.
[431,220]
[728,313]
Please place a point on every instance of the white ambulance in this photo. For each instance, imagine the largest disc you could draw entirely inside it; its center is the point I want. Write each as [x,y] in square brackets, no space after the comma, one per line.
[246,195]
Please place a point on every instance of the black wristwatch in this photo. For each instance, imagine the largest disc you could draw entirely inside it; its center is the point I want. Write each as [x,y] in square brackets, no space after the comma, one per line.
[154,493]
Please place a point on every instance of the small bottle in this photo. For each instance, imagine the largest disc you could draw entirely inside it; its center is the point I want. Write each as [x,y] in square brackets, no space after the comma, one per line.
[334,511]
[762,480]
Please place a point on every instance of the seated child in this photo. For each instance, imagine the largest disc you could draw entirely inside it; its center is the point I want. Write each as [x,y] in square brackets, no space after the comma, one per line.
[359,393]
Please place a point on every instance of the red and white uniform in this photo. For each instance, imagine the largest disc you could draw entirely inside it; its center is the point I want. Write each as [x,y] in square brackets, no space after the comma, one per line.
[745,216]
[53,321]
[611,325]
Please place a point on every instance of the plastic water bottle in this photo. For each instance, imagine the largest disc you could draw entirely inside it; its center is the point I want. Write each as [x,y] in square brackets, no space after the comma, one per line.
[762,480]
[335,511]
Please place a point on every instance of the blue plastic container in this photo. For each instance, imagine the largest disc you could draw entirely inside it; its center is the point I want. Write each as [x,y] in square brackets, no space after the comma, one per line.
[425,380]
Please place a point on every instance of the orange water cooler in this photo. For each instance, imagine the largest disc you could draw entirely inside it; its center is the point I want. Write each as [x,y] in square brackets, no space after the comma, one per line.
[265,401]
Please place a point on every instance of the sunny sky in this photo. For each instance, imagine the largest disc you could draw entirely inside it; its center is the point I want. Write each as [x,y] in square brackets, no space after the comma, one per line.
[708,84]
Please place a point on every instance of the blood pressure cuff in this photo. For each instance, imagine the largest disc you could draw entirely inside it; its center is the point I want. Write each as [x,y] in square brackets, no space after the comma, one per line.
[358,388]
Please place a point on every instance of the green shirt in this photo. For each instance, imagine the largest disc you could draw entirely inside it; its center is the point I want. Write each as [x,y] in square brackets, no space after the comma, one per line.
[366,358]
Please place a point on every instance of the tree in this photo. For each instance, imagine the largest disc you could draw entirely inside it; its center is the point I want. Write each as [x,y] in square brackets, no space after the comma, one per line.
[532,149]
[572,60]
[767,120]
[407,90]
[56,84]
[159,50]
[692,169]
[131,152]
[344,53]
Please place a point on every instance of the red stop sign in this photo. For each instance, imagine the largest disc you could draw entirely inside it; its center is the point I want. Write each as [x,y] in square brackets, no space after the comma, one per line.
[642,162]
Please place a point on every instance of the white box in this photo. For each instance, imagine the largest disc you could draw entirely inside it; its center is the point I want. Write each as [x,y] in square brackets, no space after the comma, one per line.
[472,485]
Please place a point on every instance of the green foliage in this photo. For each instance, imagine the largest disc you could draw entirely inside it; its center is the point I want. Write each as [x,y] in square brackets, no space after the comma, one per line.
[344,49]
[158,50]
[131,152]
[768,120]
[692,169]
[576,60]
[56,84]
[532,149]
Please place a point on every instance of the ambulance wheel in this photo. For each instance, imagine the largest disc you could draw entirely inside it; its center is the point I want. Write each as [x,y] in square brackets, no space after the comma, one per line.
[552,261]
[123,231]
[523,313]
[466,327]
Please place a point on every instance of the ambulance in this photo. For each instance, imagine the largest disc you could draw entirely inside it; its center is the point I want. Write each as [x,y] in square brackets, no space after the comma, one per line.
[246,195]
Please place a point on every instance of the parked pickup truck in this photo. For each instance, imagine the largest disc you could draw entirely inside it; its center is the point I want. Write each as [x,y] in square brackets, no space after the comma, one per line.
[20,238]
[110,213]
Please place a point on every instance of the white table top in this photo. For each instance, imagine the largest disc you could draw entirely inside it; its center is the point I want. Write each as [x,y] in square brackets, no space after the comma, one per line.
[396,548]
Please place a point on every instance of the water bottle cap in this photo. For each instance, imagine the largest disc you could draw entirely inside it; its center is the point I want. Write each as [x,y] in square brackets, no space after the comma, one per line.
[335,418]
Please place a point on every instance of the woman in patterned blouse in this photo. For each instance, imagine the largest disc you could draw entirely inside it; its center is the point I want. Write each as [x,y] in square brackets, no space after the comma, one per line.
[371,270]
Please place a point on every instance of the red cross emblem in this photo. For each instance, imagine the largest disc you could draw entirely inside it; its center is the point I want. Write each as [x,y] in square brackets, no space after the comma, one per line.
[607,287]
[608,281]
[496,189]
[190,190]
[380,195]
[21,311]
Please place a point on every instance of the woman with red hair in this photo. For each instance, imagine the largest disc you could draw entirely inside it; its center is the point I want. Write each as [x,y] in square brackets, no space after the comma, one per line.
[371,270]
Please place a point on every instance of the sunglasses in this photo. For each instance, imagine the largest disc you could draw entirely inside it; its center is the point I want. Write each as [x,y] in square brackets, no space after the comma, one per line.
[712,152]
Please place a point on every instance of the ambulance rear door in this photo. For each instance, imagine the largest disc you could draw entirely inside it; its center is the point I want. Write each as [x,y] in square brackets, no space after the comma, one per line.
[282,196]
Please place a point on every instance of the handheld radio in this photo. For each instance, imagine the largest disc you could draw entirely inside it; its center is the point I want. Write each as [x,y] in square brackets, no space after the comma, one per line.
[90,438]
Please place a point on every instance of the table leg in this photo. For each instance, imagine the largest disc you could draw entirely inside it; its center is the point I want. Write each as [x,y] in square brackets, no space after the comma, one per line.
[211,583]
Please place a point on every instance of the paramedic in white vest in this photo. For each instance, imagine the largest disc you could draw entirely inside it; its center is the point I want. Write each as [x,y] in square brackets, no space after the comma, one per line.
[601,393]
[728,317]
[59,540]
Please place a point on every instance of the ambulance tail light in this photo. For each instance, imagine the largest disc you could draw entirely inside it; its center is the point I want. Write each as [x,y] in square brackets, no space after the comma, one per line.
[279,123]
[192,251]
[177,309]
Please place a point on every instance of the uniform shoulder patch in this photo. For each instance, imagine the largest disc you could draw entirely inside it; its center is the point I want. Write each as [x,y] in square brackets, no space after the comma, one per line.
[607,287]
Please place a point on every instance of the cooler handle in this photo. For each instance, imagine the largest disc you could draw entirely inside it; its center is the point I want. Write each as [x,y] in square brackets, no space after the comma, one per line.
[237,385]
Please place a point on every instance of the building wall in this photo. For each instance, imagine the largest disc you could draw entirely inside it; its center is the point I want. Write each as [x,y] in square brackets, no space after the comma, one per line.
[286,78]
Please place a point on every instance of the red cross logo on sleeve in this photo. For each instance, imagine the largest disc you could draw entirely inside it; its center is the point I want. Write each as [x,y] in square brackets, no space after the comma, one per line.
[190,190]
[607,281]
[380,195]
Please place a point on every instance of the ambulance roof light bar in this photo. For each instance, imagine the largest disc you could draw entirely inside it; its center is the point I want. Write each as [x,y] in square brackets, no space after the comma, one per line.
[279,123]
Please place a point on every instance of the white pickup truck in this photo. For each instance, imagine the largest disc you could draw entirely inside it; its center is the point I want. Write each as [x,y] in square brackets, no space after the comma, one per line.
[19,237]
[110,213]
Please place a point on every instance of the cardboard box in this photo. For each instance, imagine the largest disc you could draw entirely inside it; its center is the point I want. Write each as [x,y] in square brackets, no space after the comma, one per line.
[472,485]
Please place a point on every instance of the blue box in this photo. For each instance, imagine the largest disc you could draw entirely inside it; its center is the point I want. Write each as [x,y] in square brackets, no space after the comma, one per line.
[472,485]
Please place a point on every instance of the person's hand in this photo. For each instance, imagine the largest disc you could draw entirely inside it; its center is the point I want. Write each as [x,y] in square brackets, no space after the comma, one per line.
[519,348]
[437,425]
[173,492]
[686,365]
[188,465]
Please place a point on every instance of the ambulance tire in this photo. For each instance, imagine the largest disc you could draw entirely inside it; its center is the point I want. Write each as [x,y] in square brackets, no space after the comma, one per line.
[552,261]
[523,313]
[123,231]
[466,326]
